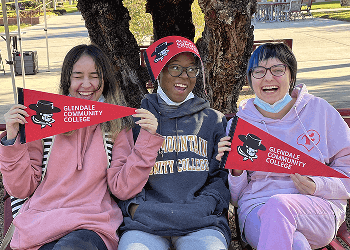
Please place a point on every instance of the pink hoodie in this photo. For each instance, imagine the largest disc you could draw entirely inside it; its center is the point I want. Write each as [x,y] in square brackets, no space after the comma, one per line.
[74,193]
[330,145]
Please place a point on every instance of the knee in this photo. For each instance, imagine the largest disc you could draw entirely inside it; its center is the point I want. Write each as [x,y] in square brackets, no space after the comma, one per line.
[300,242]
[136,246]
[74,244]
[138,240]
[277,204]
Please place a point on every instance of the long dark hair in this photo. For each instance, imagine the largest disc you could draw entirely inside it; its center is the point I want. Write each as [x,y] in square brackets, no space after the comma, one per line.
[111,91]
[274,50]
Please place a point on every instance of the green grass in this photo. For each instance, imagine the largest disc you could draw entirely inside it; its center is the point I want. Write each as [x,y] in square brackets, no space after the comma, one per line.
[327,5]
[13,27]
[69,9]
[342,15]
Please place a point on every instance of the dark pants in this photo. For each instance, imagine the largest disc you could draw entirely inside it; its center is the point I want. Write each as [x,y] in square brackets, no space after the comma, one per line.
[77,240]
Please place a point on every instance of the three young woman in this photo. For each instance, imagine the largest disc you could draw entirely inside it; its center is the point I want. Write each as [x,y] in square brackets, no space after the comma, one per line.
[181,197]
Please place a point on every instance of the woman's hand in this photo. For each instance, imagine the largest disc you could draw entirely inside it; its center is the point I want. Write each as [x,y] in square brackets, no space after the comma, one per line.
[148,121]
[304,184]
[15,116]
[223,146]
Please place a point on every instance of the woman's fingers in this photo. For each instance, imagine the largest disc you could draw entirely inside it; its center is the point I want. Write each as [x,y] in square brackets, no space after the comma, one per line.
[148,121]
[15,116]
[304,184]
[223,146]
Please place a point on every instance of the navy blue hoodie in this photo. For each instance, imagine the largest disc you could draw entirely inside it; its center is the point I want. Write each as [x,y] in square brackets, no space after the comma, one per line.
[186,190]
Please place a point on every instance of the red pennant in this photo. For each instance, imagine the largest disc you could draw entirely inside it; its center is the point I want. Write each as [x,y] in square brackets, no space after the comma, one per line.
[254,149]
[51,114]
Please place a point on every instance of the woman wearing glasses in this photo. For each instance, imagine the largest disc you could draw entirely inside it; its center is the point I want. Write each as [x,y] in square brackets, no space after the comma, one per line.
[184,202]
[283,211]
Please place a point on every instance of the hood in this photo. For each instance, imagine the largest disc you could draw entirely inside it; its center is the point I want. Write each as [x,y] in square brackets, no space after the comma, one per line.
[189,107]
[247,109]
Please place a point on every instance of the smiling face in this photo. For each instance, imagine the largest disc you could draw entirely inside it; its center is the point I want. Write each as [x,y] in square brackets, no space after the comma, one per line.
[178,88]
[84,81]
[271,88]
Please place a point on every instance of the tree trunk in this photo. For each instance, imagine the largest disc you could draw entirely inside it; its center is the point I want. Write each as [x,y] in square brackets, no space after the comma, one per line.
[226,46]
[173,18]
[344,2]
[107,22]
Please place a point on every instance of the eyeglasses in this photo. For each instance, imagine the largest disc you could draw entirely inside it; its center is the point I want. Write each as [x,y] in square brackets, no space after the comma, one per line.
[276,70]
[176,70]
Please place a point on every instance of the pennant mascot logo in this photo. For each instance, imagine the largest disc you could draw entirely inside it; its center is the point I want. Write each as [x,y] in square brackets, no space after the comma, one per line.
[158,54]
[251,145]
[52,114]
[44,112]
[256,150]
[161,51]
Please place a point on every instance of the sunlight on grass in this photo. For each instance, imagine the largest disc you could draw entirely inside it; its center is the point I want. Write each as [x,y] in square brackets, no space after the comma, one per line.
[327,5]
[13,27]
[343,15]
[12,13]
[69,8]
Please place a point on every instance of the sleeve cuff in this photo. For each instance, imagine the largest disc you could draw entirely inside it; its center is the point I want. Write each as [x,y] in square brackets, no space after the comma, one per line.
[237,180]
[319,184]
[6,142]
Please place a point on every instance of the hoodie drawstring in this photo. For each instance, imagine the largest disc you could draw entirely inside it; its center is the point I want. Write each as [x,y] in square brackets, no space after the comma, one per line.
[177,143]
[307,135]
[81,149]
[161,151]
[79,160]
[263,122]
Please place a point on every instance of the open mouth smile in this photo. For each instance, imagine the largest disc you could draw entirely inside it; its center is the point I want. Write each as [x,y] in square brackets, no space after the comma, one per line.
[180,87]
[270,89]
[86,95]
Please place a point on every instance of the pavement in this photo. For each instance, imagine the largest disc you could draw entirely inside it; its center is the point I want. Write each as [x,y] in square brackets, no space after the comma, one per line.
[64,32]
[321,46]
[322,49]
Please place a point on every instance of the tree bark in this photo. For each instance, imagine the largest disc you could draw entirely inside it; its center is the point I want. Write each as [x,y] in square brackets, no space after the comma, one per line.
[344,2]
[107,22]
[226,46]
[173,18]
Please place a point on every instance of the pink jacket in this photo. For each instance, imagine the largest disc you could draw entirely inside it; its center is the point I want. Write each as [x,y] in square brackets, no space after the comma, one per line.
[74,193]
[331,145]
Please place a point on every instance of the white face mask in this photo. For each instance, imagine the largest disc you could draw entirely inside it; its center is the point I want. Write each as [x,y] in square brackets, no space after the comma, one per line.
[274,108]
[165,98]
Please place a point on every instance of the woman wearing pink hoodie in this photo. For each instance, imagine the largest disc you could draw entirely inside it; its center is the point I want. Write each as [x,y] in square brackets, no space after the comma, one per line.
[72,207]
[290,211]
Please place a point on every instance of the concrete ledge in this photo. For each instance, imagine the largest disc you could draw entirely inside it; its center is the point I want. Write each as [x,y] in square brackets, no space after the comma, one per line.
[27,20]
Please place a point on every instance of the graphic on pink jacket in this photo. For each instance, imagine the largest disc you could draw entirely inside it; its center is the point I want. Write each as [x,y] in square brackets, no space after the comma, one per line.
[309,141]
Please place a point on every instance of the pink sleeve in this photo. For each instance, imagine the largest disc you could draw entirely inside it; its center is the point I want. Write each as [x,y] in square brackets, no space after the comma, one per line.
[236,185]
[21,167]
[131,165]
